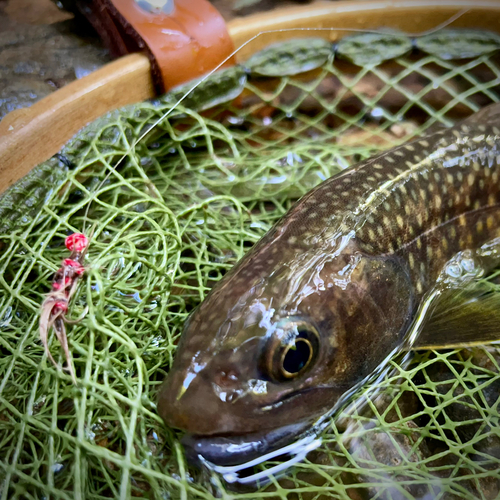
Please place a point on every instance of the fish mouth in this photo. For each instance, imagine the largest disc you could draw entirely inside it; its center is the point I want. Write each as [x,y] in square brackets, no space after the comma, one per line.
[232,450]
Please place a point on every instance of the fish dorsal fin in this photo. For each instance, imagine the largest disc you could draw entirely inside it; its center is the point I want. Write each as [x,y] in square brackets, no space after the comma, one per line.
[461,317]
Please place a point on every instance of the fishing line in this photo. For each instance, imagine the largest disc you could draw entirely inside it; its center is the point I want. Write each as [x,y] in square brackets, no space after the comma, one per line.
[311,441]
[54,311]
[112,169]
[430,31]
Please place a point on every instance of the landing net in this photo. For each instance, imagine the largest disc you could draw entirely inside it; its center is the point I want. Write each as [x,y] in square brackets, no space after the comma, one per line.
[188,201]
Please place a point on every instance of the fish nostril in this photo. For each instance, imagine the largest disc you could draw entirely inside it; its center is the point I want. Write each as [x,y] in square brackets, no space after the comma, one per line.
[226,378]
[231,397]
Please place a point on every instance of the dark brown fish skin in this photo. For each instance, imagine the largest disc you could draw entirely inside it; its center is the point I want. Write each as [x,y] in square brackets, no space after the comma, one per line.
[353,259]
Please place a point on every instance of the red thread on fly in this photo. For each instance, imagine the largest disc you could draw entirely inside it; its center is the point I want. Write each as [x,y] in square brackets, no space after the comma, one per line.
[55,306]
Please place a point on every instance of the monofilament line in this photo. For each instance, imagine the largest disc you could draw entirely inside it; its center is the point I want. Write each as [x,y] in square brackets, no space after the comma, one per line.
[437,28]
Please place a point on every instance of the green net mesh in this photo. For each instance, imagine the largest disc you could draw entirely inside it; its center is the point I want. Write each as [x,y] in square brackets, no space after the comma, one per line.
[185,205]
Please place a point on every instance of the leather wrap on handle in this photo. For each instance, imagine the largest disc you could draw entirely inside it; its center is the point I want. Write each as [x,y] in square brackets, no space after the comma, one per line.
[183,44]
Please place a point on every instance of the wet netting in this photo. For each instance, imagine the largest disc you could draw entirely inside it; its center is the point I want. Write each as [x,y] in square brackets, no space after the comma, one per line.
[187,202]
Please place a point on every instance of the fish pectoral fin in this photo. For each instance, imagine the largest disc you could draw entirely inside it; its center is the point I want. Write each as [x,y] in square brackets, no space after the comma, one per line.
[462,318]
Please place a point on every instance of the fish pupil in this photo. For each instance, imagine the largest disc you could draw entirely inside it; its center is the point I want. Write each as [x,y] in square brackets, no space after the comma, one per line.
[297,356]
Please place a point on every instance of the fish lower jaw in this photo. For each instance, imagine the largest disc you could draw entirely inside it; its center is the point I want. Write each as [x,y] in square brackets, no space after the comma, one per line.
[232,449]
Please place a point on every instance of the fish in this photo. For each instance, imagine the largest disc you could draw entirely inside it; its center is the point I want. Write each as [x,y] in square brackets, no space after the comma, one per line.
[385,256]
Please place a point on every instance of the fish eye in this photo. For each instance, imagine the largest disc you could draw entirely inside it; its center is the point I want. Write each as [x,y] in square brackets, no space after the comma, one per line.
[291,350]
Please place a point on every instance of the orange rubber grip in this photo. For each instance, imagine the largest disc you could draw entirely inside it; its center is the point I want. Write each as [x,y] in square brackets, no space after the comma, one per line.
[183,44]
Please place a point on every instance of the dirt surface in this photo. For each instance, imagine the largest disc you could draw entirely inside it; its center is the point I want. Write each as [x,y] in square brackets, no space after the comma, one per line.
[34,11]
[42,49]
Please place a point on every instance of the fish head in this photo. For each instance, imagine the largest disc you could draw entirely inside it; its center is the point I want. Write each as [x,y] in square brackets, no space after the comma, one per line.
[274,347]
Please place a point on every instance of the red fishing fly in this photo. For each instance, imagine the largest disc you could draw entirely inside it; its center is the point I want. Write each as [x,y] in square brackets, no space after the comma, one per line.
[55,305]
